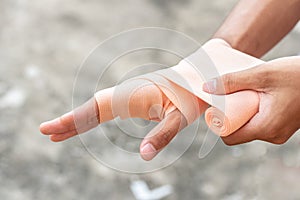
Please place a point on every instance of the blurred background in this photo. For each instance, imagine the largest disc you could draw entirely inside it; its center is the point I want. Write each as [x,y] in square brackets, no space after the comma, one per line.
[42,44]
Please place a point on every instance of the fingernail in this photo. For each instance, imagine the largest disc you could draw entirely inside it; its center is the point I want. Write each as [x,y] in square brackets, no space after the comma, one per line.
[148,152]
[210,86]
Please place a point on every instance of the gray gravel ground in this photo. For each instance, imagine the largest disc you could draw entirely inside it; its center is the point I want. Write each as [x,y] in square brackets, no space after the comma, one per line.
[42,43]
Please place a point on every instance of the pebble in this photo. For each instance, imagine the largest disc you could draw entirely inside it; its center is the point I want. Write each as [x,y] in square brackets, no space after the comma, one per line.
[14,98]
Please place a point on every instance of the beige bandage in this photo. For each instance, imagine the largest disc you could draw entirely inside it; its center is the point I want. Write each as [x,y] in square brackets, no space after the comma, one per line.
[152,96]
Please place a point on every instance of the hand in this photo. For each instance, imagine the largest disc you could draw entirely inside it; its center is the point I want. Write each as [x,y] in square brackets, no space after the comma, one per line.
[149,103]
[277,83]
[146,102]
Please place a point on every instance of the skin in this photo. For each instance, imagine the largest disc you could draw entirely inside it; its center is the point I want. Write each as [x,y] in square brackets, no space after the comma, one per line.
[277,83]
[253,27]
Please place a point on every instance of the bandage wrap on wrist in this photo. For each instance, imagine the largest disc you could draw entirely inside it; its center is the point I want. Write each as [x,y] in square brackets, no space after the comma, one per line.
[152,96]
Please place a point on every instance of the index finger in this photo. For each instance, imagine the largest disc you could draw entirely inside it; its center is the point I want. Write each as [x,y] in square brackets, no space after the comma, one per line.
[81,119]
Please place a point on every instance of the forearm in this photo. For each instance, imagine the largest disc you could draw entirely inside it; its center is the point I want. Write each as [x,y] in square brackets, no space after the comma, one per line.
[255,26]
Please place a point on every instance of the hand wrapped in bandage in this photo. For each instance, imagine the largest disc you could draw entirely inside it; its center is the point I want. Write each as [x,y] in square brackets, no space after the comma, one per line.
[173,96]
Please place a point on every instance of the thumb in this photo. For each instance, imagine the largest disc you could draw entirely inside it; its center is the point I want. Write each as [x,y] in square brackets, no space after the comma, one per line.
[236,81]
[160,136]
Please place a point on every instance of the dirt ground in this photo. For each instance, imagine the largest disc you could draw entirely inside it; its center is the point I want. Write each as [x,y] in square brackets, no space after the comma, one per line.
[42,44]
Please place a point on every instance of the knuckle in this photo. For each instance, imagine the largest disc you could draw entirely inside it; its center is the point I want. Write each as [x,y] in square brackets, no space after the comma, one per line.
[279,141]
[276,137]
[165,138]
[228,83]
[176,119]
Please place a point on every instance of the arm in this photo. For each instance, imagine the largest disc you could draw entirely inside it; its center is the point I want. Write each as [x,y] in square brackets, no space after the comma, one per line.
[255,26]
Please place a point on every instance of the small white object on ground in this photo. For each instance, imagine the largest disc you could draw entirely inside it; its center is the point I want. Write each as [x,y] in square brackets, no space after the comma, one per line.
[13,98]
[141,191]
[32,71]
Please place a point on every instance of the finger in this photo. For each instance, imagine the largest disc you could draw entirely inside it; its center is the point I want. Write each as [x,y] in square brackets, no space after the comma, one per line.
[241,136]
[253,130]
[162,134]
[128,100]
[63,136]
[131,99]
[253,78]
[83,118]
[59,125]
